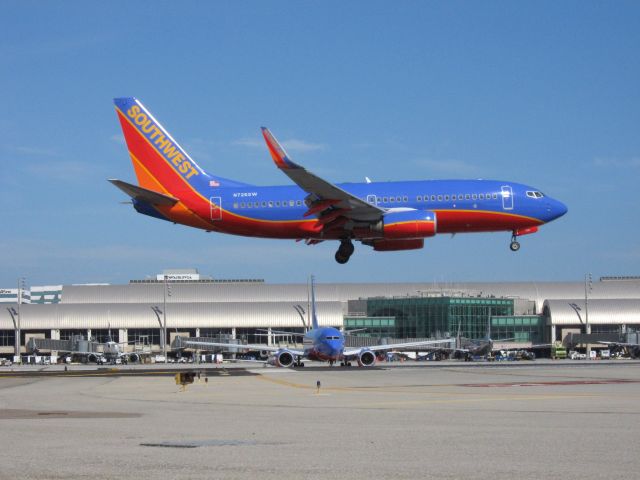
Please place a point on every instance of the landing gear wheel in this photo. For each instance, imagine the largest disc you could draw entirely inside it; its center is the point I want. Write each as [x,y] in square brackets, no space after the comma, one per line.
[341,259]
[346,246]
[515,246]
[344,251]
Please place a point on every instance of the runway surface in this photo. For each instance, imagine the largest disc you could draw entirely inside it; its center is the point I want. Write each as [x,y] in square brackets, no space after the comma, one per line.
[574,421]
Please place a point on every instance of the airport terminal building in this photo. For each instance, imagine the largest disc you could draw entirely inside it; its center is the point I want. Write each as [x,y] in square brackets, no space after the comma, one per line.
[190,305]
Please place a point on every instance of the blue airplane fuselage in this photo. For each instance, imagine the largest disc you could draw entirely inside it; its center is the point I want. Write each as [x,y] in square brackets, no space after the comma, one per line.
[387,216]
[324,344]
[460,206]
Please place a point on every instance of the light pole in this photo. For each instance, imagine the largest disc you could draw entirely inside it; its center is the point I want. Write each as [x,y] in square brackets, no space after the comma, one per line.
[158,311]
[300,311]
[166,292]
[588,286]
[21,283]
[577,309]
[16,343]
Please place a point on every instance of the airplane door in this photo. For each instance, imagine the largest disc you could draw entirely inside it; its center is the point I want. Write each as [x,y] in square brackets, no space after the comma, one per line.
[507,197]
[216,208]
[372,199]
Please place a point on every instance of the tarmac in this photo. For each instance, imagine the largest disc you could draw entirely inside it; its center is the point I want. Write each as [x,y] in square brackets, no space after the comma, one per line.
[571,420]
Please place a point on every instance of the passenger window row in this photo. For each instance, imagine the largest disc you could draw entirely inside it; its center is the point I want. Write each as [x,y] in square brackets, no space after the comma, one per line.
[398,199]
[268,204]
[454,197]
[389,199]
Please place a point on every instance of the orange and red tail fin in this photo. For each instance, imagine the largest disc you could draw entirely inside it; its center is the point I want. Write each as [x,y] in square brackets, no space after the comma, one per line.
[160,163]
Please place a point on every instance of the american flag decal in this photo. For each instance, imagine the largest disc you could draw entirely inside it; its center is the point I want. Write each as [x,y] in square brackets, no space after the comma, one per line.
[213,183]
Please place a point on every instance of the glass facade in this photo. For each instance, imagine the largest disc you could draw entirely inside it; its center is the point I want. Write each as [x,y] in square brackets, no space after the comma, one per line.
[260,335]
[214,332]
[7,338]
[520,328]
[68,334]
[423,317]
[103,335]
[144,336]
[370,326]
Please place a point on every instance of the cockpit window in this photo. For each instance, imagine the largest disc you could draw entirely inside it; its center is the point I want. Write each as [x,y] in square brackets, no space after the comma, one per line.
[534,194]
[332,338]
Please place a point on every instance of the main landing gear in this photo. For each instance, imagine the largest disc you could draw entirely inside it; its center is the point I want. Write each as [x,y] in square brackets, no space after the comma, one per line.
[344,251]
[514,246]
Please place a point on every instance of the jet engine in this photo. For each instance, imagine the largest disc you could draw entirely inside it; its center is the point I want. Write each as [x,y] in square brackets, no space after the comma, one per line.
[366,358]
[408,224]
[93,358]
[133,357]
[282,358]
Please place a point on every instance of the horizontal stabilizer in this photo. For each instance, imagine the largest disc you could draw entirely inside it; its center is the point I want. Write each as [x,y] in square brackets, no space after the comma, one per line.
[143,194]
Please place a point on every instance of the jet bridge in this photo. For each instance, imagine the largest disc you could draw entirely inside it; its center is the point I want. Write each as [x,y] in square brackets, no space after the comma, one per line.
[182,343]
[76,344]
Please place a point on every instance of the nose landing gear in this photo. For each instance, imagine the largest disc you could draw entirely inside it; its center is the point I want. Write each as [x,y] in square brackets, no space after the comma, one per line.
[514,246]
[344,251]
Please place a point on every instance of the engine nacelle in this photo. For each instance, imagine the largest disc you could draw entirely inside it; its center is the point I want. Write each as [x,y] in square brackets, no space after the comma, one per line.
[133,357]
[394,245]
[366,358]
[93,358]
[282,358]
[409,224]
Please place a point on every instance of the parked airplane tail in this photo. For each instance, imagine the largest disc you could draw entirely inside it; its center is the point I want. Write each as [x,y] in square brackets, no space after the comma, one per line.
[314,318]
[160,163]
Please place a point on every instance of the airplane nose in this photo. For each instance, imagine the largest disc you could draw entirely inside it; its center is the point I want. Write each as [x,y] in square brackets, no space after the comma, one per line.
[561,209]
[556,209]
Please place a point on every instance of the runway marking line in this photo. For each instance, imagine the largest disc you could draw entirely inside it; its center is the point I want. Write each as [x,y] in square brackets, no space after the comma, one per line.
[474,400]
[467,394]
[551,383]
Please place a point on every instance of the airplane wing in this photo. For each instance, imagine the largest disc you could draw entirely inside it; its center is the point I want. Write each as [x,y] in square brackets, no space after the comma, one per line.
[333,206]
[348,352]
[237,346]
[619,344]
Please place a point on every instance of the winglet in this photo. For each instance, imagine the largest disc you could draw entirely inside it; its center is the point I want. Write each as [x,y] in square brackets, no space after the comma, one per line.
[278,154]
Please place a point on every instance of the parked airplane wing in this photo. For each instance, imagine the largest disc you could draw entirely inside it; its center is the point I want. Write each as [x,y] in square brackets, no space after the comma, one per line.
[395,346]
[618,344]
[238,346]
[328,201]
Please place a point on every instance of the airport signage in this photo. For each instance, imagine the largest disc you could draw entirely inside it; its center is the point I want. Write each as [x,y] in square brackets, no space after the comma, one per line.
[179,276]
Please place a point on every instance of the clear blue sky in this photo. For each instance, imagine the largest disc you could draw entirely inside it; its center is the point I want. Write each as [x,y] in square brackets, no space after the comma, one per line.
[543,93]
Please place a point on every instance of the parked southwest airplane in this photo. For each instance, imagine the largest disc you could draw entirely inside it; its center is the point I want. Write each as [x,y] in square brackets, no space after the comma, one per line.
[324,344]
[387,216]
